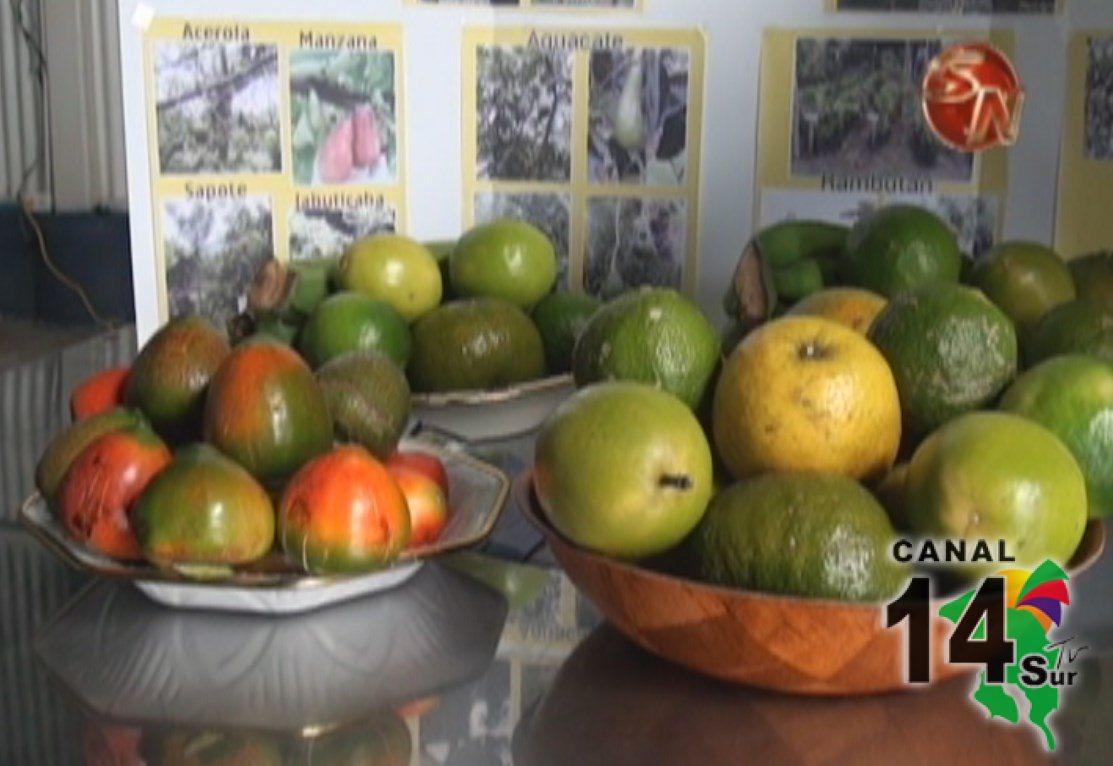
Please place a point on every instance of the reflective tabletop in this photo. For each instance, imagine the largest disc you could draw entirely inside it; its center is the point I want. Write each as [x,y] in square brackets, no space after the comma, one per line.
[480,658]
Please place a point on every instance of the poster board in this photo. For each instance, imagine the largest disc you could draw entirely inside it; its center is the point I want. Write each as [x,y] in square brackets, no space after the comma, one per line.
[431,153]
[1083,221]
[848,134]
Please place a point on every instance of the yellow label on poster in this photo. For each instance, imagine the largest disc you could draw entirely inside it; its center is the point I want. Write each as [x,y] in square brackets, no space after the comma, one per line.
[566,6]
[967,7]
[280,139]
[1083,222]
[593,135]
[842,131]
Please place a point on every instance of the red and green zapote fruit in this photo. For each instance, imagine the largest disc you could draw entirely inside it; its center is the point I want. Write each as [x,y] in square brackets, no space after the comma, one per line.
[422,463]
[265,410]
[203,510]
[171,374]
[103,483]
[623,469]
[66,446]
[1072,396]
[426,502]
[99,393]
[343,512]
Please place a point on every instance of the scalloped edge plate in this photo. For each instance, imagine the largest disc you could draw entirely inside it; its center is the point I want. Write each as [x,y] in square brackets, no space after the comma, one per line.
[489,415]
[479,492]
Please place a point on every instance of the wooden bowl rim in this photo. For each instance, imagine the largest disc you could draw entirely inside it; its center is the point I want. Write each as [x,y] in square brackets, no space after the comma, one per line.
[1092,545]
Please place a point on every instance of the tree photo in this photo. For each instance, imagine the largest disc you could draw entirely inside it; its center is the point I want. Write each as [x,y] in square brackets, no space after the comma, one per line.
[1099,100]
[524,114]
[635,242]
[212,251]
[321,233]
[639,116]
[217,108]
[951,6]
[342,106]
[857,110]
[551,213]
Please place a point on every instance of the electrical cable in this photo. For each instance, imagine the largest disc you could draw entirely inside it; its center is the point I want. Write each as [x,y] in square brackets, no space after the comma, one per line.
[39,71]
[58,273]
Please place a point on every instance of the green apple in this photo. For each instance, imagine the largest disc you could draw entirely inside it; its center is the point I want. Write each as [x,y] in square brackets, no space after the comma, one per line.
[623,469]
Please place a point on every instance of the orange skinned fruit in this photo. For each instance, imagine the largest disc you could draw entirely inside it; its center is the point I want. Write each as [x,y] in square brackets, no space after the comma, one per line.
[103,484]
[265,410]
[343,512]
[99,393]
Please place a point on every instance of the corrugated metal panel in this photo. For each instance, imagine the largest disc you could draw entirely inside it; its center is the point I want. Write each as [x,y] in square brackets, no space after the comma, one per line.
[22,133]
[86,103]
[34,405]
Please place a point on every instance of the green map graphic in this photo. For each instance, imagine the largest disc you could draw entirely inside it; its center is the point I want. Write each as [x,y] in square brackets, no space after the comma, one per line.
[1022,627]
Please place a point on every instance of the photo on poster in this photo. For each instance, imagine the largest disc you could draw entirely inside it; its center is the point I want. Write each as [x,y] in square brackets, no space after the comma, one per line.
[583,4]
[634,242]
[639,116]
[973,218]
[217,108]
[344,118]
[327,232]
[212,249]
[524,114]
[493,3]
[857,111]
[950,6]
[1099,100]
[551,213]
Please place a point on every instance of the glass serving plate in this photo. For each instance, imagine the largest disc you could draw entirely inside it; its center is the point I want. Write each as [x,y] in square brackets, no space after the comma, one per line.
[477,496]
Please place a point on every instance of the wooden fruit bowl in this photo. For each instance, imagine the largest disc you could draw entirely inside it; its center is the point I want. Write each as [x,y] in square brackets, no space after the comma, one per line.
[784,643]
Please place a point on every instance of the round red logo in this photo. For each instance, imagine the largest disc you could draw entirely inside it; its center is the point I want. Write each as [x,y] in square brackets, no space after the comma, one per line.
[972,97]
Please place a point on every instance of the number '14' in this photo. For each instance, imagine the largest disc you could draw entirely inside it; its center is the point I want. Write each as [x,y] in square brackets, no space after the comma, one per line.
[994,650]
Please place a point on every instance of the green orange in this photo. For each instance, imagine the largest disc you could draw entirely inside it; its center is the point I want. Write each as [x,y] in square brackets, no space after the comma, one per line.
[654,336]
[474,345]
[950,349]
[1025,280]
[1082,326]
[1072,396]
[265,410]
[560,318]
[802,534]
[512,260]
[899,248]
[395,269]
[348,322]
[1093,278]
[997,476]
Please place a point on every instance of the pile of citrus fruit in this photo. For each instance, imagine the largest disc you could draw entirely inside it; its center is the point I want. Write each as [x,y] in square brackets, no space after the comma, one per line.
[875,383]
[206,455]
[474,315]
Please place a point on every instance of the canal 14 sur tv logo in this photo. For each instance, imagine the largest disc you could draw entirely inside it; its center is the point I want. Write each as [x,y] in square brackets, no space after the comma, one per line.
[1002,624]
